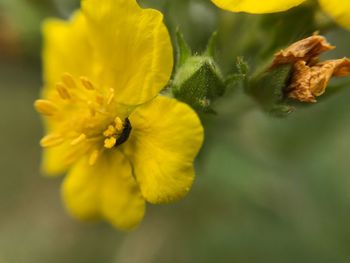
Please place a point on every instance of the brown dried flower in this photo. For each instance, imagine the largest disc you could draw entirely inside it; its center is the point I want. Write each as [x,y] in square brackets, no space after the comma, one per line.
[310,77]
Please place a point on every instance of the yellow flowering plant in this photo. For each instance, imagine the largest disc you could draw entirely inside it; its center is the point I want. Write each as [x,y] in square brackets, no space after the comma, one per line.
[123,122]
[339,10]
[106,125]
[174,131]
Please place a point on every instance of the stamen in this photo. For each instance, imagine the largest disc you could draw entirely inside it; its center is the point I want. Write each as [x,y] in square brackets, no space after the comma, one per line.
[99,100]
[91,108]
[111,96]
[63,91]
[118,124]
[74,153]
[69,81]
[103,112]
[78,140]
[110,142]
[51,140]
[110,131]
[93,157]
[91,125]
[45,107]
[87,83]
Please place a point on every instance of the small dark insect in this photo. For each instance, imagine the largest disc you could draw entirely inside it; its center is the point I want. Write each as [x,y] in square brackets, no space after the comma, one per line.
[124,136]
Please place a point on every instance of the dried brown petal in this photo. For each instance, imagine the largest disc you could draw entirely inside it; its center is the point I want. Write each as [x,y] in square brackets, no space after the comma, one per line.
[307,49]
[310,77]
[309,82]
[342,67]
[299,88]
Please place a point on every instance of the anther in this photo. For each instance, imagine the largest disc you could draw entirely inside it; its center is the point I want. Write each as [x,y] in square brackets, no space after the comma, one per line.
[118,124]
[87,83]
[110,142]
[93,157]
[69,81]
[78,140]
[110,131]
[51,140]
[63,91]
[99,100]
[45,107]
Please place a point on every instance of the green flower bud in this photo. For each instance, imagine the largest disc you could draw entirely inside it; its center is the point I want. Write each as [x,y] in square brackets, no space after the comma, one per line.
[198,80]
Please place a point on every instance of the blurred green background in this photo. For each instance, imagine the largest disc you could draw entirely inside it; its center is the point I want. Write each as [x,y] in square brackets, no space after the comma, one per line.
[267,189]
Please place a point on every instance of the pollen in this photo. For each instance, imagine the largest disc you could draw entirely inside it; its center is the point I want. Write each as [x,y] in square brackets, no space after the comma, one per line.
[110,142]
[118,124]
[45,107]
[86,116]
[110,131]
[113,133]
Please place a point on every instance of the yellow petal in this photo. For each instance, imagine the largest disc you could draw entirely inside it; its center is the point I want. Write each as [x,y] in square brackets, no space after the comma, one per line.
[53,162]
[257,6]
[164,141]
[104,190]
[57,159]
[66,49]
[132,46]
[339,10]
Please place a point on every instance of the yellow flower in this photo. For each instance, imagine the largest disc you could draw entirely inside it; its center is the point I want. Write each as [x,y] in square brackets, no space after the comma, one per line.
[120,142]
[338,10]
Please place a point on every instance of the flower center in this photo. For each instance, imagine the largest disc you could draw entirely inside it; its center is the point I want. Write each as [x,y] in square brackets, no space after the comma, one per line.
[84,116]
[117,133]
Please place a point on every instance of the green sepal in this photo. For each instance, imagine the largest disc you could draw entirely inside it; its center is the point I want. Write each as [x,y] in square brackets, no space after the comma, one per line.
[240,75]
[183,51]
[211,47]
[268,89]
[242,66]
